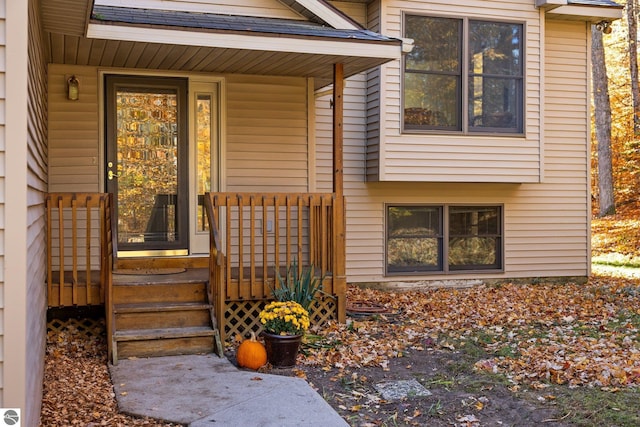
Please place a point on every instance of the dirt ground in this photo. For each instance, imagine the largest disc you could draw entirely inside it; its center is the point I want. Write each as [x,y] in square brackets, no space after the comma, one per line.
[78,391]
[460,395]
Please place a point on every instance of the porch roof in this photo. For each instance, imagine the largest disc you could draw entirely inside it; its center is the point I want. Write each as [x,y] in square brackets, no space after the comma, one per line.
[186,41]
[584,10]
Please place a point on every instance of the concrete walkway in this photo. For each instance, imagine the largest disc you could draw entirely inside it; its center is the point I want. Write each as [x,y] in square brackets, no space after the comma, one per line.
[205,390]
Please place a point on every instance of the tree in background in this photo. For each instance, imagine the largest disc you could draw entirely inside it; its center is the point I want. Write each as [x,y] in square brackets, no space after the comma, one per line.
[624,103]
[602,112]
[632,37]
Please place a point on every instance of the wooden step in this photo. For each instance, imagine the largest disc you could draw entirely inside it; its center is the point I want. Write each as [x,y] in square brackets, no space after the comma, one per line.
[159,334]
[162,342]
[161,315]
[164,262]
[154,292]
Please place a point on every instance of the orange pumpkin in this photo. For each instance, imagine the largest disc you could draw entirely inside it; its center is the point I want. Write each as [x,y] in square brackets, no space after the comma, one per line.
[251,353]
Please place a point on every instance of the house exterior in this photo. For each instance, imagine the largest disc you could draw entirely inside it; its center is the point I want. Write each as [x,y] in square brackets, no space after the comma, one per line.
[463,150]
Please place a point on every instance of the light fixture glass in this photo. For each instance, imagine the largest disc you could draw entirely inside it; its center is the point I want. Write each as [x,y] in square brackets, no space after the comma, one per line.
[73,88]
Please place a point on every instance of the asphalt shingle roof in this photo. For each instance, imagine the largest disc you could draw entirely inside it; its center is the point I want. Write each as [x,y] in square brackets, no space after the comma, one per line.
[209,21]
[606,3]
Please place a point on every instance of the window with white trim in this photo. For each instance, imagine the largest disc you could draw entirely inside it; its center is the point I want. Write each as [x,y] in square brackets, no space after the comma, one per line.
[445,238]
[463,75]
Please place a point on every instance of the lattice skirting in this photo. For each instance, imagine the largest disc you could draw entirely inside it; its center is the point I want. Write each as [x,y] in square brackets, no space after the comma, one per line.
[85,326]
[241,317]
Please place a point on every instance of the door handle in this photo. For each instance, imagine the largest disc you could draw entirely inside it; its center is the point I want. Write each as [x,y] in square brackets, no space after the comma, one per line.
[110,174]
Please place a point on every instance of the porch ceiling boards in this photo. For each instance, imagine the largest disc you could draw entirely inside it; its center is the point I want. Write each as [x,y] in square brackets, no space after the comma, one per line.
[108,36]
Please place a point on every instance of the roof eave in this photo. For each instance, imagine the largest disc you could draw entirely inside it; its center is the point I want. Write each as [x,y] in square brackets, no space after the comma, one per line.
[593,13]
[357,55]
[388,49]
[587,13]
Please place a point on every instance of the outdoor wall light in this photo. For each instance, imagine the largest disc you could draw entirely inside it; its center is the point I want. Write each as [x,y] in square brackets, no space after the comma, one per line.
[73,88]
[604,26]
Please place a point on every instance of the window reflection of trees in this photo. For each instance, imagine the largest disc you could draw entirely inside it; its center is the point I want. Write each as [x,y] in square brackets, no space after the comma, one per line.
[147,160]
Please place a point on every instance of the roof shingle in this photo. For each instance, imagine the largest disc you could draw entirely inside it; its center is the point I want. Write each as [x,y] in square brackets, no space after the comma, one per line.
[601,3]
[208,21]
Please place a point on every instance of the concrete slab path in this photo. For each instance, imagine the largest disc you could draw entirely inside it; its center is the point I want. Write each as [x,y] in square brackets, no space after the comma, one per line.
[205,390]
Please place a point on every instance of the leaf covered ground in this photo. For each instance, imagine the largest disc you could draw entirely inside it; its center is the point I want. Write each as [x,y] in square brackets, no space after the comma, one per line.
[533,340]
[508,354]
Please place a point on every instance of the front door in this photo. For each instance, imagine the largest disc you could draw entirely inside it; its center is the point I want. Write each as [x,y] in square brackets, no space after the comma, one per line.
[147,158]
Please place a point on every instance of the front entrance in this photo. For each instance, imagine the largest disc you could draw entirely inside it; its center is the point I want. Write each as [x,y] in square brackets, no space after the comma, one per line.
[146,163]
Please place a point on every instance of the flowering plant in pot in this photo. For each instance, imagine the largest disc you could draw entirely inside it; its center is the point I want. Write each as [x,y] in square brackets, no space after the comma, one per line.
[284,318]
[284,323]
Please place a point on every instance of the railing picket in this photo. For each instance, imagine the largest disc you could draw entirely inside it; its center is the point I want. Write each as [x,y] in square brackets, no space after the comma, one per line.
[240,244]
[61,242]
[313,232]
[299,240]
[252,244]
[228,244]
[287,232]
[324,234]
[88,250]
[49,254]
[74,250]
[276,234]
[265,247]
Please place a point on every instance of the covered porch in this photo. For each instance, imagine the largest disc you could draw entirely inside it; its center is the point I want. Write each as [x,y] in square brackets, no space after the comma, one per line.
[256,227]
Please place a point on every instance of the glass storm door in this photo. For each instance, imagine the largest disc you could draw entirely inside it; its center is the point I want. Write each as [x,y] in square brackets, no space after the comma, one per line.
[147,157]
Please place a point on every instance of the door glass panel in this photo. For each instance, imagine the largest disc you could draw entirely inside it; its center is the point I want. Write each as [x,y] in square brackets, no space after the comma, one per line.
[147,165]
[203,163]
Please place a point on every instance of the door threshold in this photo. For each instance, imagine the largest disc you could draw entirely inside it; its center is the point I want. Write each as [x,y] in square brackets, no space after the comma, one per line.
[153,253]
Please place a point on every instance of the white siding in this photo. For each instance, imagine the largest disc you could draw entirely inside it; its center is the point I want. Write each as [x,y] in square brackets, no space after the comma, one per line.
[455,158]
[36,223]
[264,8]
[23,175]
[546,224]
[3,121]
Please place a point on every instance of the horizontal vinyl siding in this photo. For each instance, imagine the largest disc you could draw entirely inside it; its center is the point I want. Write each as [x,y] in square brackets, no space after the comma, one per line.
[266,144]
[373,106]
[353,130]
[74,148]
[37,187]
[3,141]
[545,224]
[356,11]
[266,133]
[437,157]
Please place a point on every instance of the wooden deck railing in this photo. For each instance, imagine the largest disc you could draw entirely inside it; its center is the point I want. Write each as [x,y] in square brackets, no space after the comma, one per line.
[255,236]
[79,248]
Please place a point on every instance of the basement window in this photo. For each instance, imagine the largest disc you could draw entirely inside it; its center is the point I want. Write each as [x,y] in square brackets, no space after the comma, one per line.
[443,239]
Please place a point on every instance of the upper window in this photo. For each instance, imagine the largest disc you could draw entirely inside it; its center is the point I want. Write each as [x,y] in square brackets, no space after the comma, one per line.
[463,75]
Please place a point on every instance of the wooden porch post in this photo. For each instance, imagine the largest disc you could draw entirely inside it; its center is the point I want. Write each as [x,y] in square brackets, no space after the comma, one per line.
[339,273]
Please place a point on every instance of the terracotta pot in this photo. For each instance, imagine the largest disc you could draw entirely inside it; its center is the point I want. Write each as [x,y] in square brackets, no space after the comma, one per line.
[282,350]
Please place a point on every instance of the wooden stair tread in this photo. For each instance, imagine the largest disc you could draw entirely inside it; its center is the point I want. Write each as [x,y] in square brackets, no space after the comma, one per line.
[147,307]
[191,275]
[158,334]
